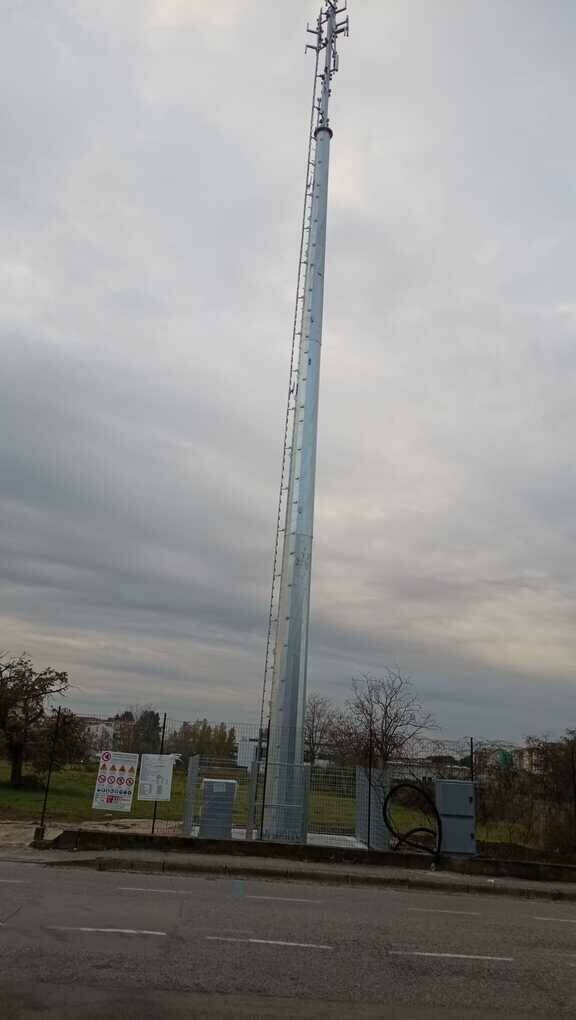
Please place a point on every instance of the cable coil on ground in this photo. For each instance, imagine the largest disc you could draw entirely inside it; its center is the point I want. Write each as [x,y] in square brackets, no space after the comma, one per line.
[407,839]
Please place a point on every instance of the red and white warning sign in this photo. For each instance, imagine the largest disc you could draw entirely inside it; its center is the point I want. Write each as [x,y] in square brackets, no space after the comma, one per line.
[113,790]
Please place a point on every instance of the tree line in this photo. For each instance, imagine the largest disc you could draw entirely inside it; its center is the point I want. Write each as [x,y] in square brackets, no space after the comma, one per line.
[32,731]
[379,722]
[140,730]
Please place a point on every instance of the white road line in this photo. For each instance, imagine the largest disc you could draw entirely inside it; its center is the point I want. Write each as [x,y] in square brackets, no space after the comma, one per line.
[13,881]
[457,913]
[268,942]
[452,956]
[136,888]
[190,892]
[560,920]
[283,899]
[107,931]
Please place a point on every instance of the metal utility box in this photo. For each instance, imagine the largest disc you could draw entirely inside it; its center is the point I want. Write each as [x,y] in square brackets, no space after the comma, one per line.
[456,805]
[218,796]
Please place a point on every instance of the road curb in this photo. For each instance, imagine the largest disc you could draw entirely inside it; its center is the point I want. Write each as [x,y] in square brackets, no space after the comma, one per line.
[317,875]
[476,868]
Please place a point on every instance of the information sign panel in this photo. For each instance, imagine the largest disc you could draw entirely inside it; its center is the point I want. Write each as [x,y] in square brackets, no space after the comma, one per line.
[156,777]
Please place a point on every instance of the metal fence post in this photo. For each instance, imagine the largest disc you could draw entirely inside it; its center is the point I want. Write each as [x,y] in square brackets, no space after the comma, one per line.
[369,787]
[252,795]
[573,764]
[41,829]
[161,752]
[262,818]
[190,795]
[472,759]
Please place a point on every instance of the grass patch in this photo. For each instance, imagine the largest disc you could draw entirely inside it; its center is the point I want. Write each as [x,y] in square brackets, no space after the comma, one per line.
[71,793]
[72,789]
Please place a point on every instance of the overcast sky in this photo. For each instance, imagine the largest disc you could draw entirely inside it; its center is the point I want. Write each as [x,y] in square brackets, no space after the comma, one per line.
[150,191]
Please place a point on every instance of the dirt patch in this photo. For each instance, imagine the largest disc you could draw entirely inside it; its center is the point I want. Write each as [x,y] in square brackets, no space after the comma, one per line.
[140,825]
[20,834]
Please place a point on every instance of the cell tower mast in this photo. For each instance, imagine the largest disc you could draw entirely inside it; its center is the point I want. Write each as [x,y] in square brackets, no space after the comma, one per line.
[287,643]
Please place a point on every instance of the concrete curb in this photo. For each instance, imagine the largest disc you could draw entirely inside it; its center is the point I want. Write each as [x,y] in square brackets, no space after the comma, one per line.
[324,876]
[95,841]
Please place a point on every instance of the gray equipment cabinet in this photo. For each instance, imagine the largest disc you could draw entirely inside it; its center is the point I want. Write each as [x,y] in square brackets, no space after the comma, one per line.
[455,802]
[218,796]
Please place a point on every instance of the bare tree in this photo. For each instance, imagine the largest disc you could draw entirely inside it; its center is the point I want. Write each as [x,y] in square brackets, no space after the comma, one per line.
[383,718]
[318,727]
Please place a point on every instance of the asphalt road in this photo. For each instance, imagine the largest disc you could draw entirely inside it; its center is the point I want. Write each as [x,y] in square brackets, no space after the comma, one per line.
[83,944]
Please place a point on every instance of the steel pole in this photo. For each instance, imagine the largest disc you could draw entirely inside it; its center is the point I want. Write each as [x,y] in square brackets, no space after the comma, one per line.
[40,831]
[284,795]
[161,752]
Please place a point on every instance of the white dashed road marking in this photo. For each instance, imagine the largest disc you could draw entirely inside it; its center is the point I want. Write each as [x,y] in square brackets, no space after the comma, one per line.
[559,920]
[457,913]
[190,892]
[173,892]
[452,956]
[283,899]
[107,931]
[268,942]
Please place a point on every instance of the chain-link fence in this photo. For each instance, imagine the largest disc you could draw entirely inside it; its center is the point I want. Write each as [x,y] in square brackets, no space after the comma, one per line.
[214,780]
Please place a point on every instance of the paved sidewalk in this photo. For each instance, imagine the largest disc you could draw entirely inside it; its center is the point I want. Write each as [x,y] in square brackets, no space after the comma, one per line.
[274,869]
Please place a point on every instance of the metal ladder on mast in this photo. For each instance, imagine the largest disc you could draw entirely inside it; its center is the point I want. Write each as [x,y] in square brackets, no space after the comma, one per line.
[292,401]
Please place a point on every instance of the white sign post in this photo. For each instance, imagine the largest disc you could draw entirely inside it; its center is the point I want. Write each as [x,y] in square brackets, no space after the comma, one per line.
[115,781]
[156,777]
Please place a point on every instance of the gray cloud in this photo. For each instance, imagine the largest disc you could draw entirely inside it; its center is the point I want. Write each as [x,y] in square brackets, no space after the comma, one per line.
[151,192]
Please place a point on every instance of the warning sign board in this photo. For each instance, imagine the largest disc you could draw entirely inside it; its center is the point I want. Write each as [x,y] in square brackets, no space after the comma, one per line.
[156,777]
[113,792]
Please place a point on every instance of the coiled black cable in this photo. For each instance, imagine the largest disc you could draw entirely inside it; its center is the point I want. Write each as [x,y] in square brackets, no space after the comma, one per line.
[405,839]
